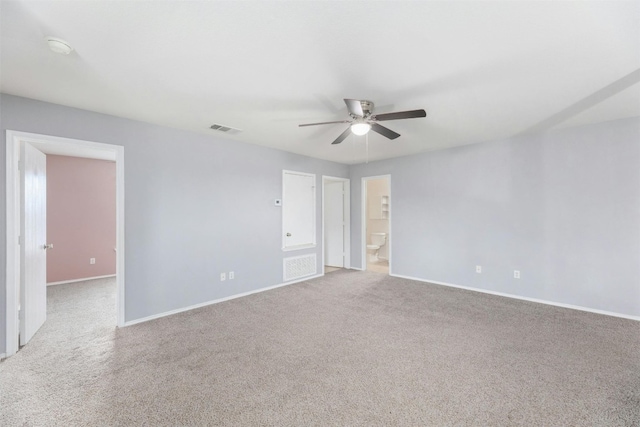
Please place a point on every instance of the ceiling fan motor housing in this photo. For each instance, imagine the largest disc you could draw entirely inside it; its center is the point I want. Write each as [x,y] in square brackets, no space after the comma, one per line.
[367,107]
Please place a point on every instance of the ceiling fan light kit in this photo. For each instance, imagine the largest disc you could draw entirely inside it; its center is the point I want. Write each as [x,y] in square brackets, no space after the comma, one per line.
[363,120]
[360,128]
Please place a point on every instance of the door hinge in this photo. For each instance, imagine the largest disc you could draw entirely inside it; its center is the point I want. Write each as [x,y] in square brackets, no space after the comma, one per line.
[19,240]
[19,165]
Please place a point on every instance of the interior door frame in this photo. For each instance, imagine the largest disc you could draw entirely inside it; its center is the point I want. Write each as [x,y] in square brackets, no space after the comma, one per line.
[363,218]
[13,215]
[346,182]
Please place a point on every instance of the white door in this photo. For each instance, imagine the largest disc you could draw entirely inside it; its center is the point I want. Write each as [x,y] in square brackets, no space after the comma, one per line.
[298,210]
[33,285]
[334,224]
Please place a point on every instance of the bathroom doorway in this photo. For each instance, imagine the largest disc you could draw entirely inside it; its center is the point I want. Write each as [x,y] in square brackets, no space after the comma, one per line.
[376,223]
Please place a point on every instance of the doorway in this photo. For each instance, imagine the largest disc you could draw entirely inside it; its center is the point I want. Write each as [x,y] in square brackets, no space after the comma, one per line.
[376,223]
[31,313]
[336,223]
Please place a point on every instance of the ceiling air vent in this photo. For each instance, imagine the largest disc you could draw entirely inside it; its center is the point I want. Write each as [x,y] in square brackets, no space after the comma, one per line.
[225,129]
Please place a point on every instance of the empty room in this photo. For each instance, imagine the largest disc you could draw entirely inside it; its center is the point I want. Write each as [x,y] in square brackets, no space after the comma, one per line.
[320,213]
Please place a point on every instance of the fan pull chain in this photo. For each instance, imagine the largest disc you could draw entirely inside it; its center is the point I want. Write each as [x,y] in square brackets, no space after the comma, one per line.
[367,137]
[353,148]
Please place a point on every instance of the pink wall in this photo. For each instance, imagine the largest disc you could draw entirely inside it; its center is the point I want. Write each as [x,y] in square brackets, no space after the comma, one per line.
[81,217]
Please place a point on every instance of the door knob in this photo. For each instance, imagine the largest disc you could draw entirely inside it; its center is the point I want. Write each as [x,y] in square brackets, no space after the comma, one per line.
[49,246]
[288,234]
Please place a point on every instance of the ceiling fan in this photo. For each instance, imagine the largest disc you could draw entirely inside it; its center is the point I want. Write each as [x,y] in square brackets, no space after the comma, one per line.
[363,120]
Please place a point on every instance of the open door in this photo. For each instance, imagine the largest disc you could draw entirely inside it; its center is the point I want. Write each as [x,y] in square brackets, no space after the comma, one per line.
[33,243]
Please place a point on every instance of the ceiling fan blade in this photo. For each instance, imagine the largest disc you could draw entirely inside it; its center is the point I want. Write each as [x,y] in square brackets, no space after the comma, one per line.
[324,123]
[354,106]
[400,115]
[342,136]
[384,131]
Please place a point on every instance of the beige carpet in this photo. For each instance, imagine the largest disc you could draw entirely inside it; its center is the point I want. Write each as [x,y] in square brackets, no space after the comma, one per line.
[350,348]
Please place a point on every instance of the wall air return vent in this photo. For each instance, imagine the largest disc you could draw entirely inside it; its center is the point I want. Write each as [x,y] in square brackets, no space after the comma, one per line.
[226,129]
[299,266]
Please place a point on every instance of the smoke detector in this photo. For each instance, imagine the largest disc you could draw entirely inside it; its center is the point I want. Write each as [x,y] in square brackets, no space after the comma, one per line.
[59,46]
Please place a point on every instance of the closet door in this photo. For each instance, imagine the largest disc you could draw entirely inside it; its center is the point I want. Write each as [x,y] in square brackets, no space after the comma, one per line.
[298,210]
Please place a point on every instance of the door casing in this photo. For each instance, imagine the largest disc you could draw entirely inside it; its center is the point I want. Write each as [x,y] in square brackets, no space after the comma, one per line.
[63,146]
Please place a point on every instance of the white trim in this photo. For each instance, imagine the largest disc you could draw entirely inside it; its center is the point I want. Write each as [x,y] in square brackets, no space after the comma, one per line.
[64,282]
[3,356]
[216,301]
[13,140]
[312,244]
[346,183]
[363,219]
[12,249]
[120,230]
[540,301]
[299,247]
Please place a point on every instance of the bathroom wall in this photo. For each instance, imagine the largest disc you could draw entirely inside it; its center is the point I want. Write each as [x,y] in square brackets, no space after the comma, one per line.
[376,188]
[81,218]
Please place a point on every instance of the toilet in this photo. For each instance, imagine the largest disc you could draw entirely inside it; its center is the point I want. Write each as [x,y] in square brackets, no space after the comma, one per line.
[377,240]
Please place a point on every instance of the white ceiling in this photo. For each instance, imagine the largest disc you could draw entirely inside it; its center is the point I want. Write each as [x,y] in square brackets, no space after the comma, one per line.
[482,70]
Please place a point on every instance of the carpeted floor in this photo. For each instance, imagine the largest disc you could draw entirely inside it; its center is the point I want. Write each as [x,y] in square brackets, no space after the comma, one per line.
[350,348]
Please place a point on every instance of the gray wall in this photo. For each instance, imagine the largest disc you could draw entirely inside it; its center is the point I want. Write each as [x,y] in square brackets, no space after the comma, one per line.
[562,207]
[195,206]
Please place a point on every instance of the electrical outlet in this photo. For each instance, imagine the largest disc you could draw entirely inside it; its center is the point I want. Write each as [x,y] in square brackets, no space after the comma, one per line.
[232,275]
[92,260]
[223,277]
[478,269]
[516,274]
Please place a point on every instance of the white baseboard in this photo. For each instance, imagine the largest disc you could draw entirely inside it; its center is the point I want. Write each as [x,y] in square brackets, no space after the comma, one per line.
[64,282]
[3,356]
[357,268]
[540,301]
[216,301]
